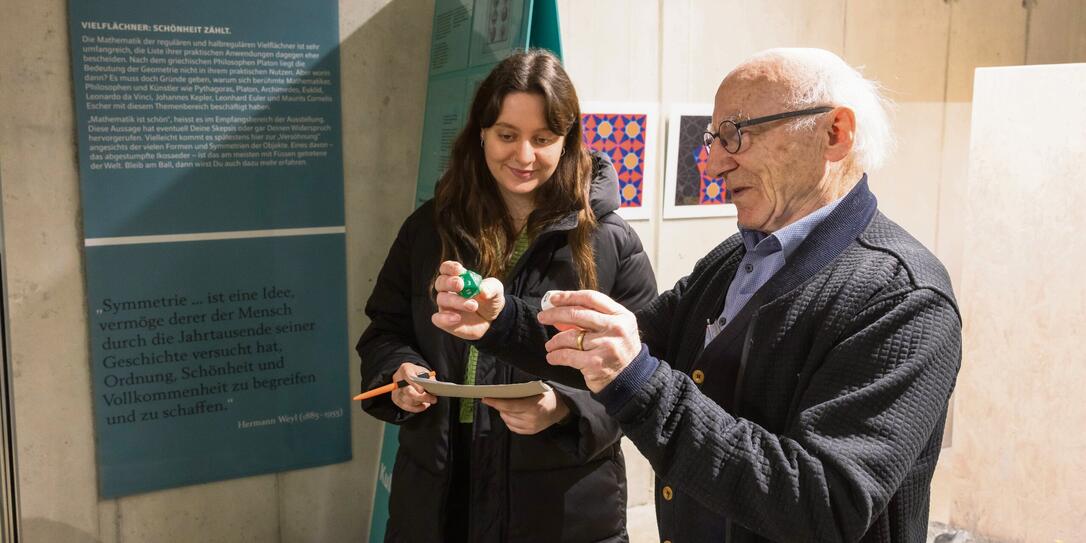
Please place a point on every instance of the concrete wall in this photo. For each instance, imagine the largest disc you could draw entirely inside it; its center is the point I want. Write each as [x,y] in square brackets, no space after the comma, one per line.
[383,82]
[665,51]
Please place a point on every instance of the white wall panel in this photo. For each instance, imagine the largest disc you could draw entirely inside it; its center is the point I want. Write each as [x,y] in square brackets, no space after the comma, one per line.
[1024,307]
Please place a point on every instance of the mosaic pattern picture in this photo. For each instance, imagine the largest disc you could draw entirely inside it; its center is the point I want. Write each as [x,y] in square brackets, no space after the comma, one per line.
[622,137]
[689,190]
[497,28]
[626,134]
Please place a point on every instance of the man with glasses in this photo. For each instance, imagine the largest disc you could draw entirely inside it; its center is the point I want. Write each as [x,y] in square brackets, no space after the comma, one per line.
[794,386]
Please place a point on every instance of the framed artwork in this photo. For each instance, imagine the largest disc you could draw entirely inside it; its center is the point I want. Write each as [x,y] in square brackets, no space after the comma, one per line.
[627,133]
[688,190]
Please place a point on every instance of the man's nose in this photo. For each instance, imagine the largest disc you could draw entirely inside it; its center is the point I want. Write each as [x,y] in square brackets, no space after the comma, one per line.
[720,161]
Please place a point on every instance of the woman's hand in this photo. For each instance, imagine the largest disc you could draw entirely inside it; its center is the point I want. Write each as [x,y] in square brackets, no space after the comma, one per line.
[465,318]
[531,415]
[411,398]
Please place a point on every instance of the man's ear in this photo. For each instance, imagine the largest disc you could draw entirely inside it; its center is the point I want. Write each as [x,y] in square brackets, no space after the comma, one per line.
[842,134]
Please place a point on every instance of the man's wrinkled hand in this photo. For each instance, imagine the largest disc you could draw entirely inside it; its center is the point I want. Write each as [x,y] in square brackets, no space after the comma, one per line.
[610,340]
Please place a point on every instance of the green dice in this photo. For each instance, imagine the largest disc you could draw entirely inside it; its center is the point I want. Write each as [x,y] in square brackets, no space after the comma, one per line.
[471,284]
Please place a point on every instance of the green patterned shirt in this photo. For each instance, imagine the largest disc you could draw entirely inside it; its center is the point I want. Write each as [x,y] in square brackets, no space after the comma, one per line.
[467,405]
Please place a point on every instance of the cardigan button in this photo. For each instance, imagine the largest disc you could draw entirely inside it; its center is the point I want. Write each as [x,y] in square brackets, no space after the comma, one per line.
[668,493]
[698,376]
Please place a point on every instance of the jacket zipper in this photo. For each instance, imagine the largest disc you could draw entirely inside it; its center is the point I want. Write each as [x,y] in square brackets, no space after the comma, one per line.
[748,340]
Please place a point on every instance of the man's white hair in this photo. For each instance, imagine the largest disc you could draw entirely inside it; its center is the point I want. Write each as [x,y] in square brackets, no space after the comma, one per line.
[818,78]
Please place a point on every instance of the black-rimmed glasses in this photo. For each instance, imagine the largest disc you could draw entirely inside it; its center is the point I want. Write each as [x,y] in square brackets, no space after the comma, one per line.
[730,133]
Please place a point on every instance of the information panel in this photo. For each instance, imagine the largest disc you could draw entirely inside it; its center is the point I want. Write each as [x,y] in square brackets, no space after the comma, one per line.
[204,374]
[212,187]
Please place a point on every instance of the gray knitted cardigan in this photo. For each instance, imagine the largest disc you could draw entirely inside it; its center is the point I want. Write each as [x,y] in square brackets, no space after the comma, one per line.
[819,409]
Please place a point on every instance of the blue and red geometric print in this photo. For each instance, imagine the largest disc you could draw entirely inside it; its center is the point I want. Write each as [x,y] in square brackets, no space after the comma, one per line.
[622,137]
[713,189]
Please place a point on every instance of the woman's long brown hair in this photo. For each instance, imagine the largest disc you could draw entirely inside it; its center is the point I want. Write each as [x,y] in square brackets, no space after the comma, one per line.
[472,221]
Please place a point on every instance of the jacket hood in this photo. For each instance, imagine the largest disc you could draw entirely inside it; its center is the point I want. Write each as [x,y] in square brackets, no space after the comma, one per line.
[603,193]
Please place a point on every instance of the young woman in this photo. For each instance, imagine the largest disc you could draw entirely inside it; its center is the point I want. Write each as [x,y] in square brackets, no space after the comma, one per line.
[525,201]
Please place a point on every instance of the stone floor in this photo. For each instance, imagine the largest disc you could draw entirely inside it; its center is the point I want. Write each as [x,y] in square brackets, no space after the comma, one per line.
[941,533]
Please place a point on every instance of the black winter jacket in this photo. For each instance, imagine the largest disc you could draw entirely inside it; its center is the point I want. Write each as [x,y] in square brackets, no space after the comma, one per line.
[568,482]
[816,414]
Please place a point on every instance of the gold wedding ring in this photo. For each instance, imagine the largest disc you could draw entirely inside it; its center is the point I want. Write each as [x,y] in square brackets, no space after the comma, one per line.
[580,340]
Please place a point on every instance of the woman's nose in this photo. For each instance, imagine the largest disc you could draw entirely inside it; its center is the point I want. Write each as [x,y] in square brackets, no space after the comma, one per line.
[525,153]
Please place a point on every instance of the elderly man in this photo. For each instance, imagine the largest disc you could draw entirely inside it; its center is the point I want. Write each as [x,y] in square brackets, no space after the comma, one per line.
[794,386]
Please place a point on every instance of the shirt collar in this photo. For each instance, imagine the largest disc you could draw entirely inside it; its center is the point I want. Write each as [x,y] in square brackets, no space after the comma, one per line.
[790,237]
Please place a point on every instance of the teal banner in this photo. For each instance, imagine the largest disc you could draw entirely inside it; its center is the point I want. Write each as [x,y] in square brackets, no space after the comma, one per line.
[212,189]
[469,38]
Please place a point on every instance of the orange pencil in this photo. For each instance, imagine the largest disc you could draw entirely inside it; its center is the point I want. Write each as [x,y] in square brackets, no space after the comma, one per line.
[391,386]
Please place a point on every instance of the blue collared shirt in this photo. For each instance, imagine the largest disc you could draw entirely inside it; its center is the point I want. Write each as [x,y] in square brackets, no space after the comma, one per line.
[766,255]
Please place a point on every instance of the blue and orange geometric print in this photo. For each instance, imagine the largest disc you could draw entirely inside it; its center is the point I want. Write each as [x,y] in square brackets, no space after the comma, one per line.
[693,187]
[713,189]
[622,137]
